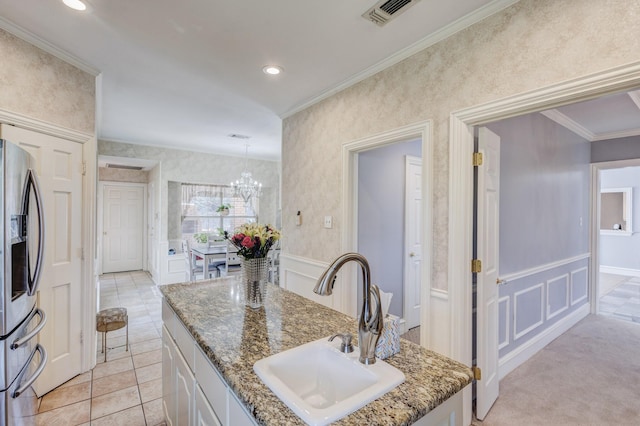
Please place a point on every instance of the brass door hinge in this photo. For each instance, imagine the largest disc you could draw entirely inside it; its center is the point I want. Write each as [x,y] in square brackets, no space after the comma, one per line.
[477,373]
[84,168]
[476,266]
[477,159]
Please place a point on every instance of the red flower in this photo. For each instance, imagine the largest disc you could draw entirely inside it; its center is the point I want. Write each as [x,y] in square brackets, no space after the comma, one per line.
[247,242]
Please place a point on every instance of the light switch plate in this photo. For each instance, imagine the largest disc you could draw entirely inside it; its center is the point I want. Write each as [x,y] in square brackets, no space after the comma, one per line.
[328,222]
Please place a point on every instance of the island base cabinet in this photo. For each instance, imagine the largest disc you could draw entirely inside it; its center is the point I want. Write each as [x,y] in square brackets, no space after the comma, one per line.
[204,414]
[449,413]
[193,391]
[168,378]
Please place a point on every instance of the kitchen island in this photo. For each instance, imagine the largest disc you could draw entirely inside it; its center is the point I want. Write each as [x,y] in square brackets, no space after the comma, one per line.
[212,330]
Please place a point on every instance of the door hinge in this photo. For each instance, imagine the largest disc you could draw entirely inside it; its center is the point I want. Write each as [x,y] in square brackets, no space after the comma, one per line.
[477,373]
[82,253]
[477,159]
[84,168]
[476,266]
[81,337]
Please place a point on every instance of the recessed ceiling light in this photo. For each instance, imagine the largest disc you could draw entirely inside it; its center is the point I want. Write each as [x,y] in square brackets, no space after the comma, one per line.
[75,4]
[272,69]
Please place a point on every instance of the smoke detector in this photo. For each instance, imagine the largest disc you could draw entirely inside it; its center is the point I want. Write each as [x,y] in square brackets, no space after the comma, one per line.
[385,10]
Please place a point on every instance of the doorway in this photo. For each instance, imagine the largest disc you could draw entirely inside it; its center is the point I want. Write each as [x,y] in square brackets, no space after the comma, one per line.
[383,185]
[461,184]
[123,226]
[350,154]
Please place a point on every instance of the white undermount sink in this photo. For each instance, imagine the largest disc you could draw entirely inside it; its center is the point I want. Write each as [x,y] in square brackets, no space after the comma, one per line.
[321,384]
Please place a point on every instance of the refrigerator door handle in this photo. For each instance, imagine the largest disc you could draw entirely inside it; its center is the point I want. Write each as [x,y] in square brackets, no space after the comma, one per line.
[32,182]
[43,361]
[43,319]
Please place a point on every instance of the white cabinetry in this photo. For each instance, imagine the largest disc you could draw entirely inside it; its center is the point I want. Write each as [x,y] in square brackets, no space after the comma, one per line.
[193,392]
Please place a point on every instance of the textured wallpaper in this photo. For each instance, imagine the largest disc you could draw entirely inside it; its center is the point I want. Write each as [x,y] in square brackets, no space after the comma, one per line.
[531,44]
[39,85]
[197,167]
[122,175]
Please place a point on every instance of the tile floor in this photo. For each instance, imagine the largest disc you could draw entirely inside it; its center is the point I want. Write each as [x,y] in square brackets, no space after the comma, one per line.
[620,297]
[127,389]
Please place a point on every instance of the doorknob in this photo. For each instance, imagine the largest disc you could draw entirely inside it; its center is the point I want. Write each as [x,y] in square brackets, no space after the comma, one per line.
[500,282]
[412,254]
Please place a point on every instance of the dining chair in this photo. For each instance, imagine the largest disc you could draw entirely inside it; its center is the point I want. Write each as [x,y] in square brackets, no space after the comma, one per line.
[195,267]
[232,266]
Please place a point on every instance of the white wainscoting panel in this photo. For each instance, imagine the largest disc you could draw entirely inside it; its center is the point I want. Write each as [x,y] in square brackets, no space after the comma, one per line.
[504,321]
[557,295]
[172,267]
[528,310]
[438,337]
[579,285]
[299,275]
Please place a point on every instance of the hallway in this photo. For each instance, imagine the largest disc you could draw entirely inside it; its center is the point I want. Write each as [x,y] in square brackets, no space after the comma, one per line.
[127,389]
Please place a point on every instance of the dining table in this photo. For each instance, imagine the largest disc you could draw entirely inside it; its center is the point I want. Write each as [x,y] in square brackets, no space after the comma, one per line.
[211,253]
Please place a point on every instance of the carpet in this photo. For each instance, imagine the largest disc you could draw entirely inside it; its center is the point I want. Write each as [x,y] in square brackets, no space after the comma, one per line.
[588,376]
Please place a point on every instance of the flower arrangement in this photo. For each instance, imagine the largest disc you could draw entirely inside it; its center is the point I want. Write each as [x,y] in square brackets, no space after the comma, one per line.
[253,240]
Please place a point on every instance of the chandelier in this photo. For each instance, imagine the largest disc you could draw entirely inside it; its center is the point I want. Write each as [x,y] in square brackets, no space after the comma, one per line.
[246,187]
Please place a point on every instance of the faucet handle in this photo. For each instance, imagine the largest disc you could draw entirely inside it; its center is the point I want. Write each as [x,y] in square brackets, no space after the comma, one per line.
[346,346]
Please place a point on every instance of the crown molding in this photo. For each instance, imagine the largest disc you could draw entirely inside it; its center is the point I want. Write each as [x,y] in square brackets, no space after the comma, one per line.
[564,121]
[447,31]
[616,135]
[43,44]
[635,97]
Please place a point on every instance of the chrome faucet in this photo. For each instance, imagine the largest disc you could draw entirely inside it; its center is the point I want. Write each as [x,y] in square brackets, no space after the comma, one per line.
[371,321]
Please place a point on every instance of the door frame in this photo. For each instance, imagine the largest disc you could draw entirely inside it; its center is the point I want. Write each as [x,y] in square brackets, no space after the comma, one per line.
[101,185]
[423,131]
[461,126]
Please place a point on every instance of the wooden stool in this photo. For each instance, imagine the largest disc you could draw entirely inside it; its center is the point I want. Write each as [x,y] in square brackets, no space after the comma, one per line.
[109,320]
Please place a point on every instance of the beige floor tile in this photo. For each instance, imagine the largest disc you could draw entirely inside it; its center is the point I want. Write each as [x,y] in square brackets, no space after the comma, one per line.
[112,367]
[153,412]
[146,346]
[150,390]
[147,358]
[149,372]
[61,397]
[113,402]
[133,416]
[113,353]
[73,414]
[81,378]
[113,383]
[148,334]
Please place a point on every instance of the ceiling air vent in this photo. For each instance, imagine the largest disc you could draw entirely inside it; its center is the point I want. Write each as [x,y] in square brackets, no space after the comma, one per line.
[385,10]
[122,166]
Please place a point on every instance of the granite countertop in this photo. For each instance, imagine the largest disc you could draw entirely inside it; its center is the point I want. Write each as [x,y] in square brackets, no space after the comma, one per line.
[235,337]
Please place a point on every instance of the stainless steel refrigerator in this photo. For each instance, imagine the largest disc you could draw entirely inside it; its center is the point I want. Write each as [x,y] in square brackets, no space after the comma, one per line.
[22,359]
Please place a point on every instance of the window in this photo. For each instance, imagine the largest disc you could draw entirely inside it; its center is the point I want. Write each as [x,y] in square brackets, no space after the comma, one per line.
[199,210]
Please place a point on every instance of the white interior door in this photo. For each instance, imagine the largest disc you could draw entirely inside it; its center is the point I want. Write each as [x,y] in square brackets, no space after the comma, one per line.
[413,241]
[487,289]
[59,168]
[123,227]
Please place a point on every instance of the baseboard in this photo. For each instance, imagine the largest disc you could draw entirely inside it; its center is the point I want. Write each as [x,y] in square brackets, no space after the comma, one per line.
[619,271]
[518,356]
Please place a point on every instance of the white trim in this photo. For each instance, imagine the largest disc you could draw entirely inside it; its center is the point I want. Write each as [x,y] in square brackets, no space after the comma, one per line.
[569,124]
[516,334]
[43,44]
[26,122]
[460,24]
[619,271]
[407,302]
[507,323]
[565,278]
[586,286]
[635,97]
[583,132]
[522,353]
[536,270]
[422,130]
